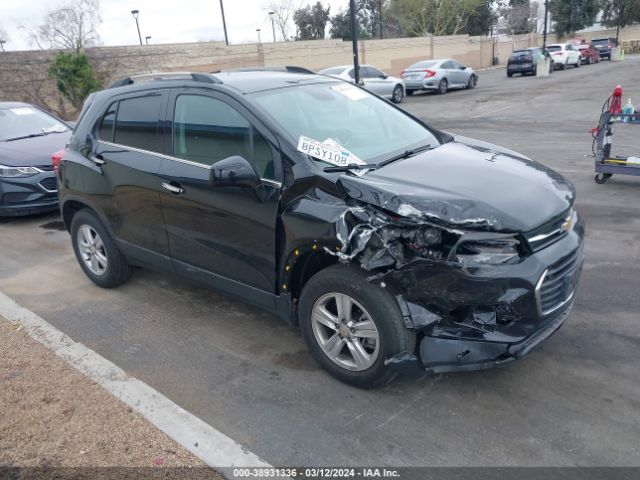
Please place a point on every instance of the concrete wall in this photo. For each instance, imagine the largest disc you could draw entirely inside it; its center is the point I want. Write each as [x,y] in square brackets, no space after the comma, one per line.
[23,74]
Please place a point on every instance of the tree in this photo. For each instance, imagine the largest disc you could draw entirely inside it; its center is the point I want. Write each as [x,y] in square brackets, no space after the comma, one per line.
[283,13]
[341,26]
[572,15]
[311,21]
[519,16]
[418,18]
[481,19]
[74,77]
[626,11]
[72,25]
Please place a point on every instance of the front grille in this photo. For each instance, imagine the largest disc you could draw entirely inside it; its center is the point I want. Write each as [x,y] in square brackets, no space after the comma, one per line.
[50,184]
[560,282]
[548,233]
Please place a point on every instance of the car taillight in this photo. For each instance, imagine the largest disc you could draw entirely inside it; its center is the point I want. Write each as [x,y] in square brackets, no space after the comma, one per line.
[429,73]
[55,160]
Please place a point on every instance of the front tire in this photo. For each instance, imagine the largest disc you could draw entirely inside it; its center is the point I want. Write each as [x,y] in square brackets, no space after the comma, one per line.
[472,82]
[96,251]
[352,325]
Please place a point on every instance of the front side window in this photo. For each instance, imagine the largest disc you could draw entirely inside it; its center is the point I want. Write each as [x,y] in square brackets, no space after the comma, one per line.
[137,123]
[206,130]
[105,128]
[362,123]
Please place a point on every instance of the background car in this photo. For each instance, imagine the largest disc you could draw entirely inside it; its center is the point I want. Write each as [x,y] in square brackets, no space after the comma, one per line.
[604,46]
[524,61]
[438,75]
[589,54]
[373,79]
[28,138]
[564,54]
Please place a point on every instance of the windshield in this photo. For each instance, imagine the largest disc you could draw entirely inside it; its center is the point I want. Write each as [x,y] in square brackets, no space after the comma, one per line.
[332,71]
[346,116]
[18,122]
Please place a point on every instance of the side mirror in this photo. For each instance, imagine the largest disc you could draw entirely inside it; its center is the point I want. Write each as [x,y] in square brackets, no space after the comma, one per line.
[235,171]
[383,76]
[89,145]
[462,67]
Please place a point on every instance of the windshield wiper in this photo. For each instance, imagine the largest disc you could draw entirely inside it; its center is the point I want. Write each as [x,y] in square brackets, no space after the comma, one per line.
[352,166]
[31,135]
[406,154]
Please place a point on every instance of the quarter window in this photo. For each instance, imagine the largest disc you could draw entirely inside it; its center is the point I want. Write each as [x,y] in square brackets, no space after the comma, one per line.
[137,123]
[105,129]
[206,130]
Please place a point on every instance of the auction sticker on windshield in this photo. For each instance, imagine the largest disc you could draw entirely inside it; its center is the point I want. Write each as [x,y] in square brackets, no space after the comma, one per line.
[328,151]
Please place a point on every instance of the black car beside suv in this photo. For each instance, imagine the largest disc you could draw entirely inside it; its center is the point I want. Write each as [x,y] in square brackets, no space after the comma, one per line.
[525,61]
[392,245]
[604,46]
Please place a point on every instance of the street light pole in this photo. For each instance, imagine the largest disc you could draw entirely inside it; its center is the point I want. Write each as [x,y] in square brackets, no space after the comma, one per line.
[544,36]
[2,42]
[135,15]
[259,41]
[147,39]
[224,24]
[272,14]
[354,40]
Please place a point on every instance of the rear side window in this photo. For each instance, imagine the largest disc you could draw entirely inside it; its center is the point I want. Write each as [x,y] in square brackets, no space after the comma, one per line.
[206,130]
[137,123]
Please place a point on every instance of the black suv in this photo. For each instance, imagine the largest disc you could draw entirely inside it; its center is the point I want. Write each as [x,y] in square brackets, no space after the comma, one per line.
[604,46]
[389,243]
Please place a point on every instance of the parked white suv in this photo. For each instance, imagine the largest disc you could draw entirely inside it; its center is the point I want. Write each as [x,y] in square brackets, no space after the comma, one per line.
[564,54]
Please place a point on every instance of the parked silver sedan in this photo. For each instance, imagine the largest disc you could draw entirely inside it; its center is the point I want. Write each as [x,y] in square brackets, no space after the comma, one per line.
[439,75]
[373,79]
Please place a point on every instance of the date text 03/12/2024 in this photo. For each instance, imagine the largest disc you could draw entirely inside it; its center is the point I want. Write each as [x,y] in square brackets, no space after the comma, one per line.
[318,472]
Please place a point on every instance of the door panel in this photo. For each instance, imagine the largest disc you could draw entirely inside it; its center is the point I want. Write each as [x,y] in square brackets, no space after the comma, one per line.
[229,231]
[124,155]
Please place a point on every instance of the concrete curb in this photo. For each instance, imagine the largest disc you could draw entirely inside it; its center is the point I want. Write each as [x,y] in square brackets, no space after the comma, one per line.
[210,445]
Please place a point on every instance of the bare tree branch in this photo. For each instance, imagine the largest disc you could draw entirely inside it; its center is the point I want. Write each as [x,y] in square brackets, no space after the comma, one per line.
[284,10]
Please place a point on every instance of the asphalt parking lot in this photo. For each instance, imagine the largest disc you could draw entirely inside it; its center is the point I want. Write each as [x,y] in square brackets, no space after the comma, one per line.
[576,401]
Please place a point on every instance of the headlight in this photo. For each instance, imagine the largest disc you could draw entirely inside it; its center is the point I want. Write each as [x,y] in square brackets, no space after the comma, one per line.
[495,251]
[14,172]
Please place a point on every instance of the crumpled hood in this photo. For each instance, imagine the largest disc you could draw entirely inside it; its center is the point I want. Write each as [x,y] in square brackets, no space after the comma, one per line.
[467,183]
[31,152]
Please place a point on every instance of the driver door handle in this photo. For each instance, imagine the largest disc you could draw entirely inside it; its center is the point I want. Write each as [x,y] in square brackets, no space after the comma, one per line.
[173,188]
[97,159]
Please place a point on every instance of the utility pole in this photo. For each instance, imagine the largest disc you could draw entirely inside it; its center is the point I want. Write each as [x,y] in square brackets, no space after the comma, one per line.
[380,18]
[135,15]
[544,36]
[147,39]
[2,42]
[224,24]
[273,25]
[620,14]
[354,40]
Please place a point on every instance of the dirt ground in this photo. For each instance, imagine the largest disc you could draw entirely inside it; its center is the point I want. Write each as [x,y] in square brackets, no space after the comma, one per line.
[53,416]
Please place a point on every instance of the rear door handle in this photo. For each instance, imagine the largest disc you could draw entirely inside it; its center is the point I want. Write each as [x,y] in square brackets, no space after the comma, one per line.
[173,188]
[97,159]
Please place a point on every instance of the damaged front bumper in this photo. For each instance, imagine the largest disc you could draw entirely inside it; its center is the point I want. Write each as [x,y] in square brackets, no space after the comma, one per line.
[484,317]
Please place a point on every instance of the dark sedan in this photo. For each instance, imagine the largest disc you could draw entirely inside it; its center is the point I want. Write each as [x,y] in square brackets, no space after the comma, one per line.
[28,138]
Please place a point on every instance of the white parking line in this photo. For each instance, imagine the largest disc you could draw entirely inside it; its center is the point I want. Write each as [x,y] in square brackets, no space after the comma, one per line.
[210,445]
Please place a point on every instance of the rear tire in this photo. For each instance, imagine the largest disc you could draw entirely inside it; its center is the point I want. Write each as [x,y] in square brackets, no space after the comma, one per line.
[409,92]
[443,86]
[96,251]
[382,333]
[509,74]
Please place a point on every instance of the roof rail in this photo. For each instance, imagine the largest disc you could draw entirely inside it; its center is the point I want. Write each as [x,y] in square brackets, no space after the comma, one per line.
[148,77]
[285,68]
